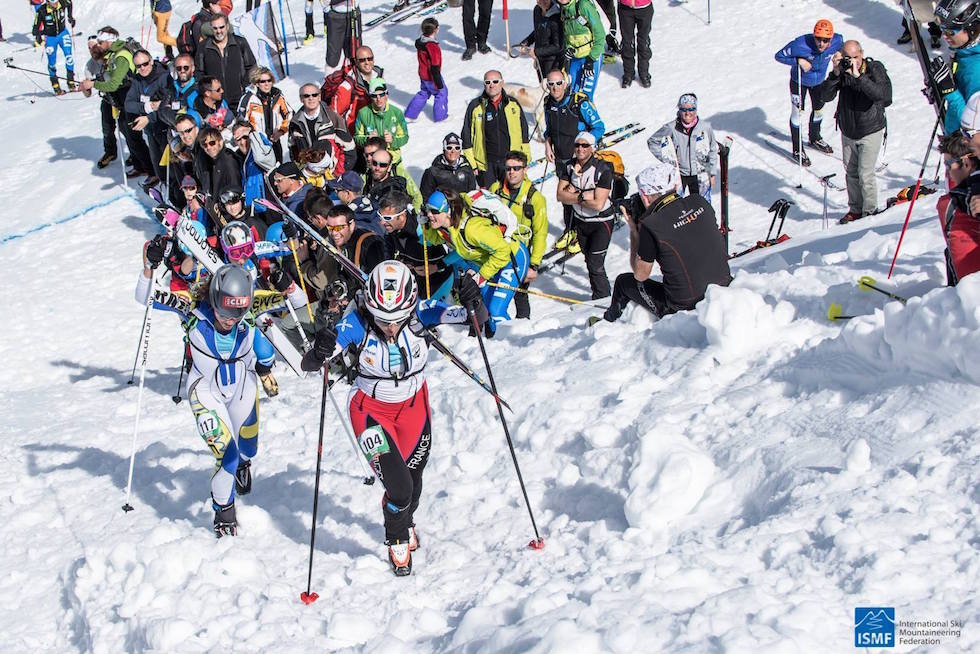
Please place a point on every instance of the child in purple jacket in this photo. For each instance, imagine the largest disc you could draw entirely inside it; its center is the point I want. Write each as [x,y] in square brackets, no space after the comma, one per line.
[430,74]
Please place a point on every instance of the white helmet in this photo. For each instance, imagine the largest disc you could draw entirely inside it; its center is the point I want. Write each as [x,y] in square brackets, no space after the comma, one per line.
[391,292]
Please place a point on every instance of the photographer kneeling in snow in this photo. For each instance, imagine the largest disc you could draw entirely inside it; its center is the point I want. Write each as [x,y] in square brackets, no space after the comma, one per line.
[681,234]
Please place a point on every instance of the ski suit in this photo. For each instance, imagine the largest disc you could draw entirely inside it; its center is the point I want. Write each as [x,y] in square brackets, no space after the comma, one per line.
[966,71]
[389,405]
[53,23]
[222,387]
[585,43]
[805,47]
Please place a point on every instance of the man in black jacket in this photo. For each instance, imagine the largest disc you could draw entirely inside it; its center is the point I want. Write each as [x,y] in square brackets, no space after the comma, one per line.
[227,57]
[215,167]
[145,95]
[865,91]
[681,234]
[546,43]
[449,170]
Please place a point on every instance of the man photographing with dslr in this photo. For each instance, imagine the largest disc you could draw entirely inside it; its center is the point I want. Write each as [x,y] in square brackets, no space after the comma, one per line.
[865,90]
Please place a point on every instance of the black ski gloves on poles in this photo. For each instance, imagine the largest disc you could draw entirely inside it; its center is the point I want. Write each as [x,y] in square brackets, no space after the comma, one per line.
[323,347]
[942,76]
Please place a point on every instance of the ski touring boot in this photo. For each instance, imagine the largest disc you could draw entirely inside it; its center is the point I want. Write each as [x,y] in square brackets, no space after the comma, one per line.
[243,478]
[400,558]
[225,522]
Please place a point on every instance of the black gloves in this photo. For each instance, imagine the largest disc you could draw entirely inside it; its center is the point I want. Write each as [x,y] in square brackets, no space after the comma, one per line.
[158,249]
[588,69]
[280,280]
[289,230]
[323,347]
[942,76]
[468,292]
[569,54]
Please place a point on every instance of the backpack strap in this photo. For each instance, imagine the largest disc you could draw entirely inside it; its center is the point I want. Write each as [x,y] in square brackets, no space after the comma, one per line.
[357,248]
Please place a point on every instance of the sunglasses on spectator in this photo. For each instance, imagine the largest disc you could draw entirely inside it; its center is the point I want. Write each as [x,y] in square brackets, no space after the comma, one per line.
[182,67]
[583,145]
[143,64]
[220,89]
[265,81]
[361,60]
[387,219]
[212,143]
[952,31]
[379,94]
[687,110]
[219,27]
[513,169]
[821,40]
[968,133]
[552,83]
[452,148]
[185,131]
[337,228]
[309,95]
[380,164]
[488,82]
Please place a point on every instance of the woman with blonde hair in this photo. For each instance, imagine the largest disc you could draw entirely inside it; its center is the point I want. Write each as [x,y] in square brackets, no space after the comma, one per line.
[264,106]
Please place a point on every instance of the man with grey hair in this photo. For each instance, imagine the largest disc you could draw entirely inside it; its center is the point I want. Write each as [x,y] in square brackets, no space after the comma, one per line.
[865,91]
[681,234]
[316,125]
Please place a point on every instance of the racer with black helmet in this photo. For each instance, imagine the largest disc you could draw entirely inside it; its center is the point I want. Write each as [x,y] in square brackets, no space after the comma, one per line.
[960,78]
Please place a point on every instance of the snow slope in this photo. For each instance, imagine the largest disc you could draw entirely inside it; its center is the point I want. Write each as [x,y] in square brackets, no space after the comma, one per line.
[737,478]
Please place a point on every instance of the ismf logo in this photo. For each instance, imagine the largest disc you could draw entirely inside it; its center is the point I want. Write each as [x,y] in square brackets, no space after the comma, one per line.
[874,627]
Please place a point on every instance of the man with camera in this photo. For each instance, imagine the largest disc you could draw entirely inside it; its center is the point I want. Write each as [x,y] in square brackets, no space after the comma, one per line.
[681,234]
[865,90]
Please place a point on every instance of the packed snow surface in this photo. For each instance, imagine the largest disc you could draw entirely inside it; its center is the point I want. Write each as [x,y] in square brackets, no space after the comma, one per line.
[738,478]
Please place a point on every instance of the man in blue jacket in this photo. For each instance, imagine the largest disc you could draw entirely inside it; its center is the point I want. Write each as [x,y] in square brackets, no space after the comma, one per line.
[808,57]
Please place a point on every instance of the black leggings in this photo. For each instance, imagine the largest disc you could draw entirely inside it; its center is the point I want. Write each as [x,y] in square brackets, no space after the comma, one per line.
[594,238]
[648,294]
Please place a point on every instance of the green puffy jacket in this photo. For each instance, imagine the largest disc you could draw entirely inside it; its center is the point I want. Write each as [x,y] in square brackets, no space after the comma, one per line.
[375,123]
[477,239]
[583,29]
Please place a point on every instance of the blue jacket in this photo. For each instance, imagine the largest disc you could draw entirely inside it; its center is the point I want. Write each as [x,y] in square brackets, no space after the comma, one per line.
[806,48]
[966,70]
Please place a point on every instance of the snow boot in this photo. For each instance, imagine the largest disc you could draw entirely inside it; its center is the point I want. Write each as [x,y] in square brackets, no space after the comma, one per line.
[106,159]
[225,522]
[400,558]
[906,37]
[850,217]
[468,53]
[243,478]
[568,241]
[483,48]
[70,76]
[56,87]
[645,82]
[801,156]
[626,81]
[820,144]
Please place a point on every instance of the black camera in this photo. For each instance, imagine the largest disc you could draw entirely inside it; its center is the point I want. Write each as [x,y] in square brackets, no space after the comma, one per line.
[633,206]
[845,63]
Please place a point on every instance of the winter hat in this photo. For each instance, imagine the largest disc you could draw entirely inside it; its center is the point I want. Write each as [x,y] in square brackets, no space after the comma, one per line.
[287,169]
[824,29]
[377,84]
[970,118]
[188,182]
[657,179]
[588,137]
[349,181]
[452,138]
[687,100]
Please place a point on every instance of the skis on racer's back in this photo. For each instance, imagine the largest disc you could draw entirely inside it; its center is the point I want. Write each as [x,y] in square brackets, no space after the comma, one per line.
[602,146]
[921,54]
[607,134]
[397,10]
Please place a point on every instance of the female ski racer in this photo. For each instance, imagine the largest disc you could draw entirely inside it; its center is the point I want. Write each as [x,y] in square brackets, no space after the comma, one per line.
[389,399]
[227,355]
[480,241]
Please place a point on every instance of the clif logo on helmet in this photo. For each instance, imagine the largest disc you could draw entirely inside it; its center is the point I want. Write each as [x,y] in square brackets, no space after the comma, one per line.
[234,302]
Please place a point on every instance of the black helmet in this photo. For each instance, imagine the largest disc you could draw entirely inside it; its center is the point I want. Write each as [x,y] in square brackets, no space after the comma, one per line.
[958,14]
[230,293]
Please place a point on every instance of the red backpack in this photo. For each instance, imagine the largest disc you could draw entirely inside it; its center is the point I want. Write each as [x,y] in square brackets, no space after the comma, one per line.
[333,81]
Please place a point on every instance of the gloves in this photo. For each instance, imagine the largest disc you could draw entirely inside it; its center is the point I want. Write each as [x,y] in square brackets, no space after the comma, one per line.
[269,383]
[323,347]
[942,76]
[280,280]
[72,21]
[588,69]
[569,54]
[158,249]
[289,230]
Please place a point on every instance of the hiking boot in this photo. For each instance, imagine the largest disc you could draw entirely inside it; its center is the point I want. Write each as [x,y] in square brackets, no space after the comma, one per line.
[468,53]
[568,241]
[850,217]
[483,48]
[70,76]
[906,37]
[821,145]
[225,522]
[106,159]
[308,39]
[133,172]
[243,478]
[626,81]
[400,558]
[801,156]
[149,183]
[645,82]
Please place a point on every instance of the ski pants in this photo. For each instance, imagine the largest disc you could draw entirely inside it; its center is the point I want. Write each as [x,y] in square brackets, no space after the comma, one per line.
[161,20]
[476,31]
[860,156]
[798,97]
[395,438]
[440,107]
[609,9]
[252,4]
[138,151]
[309,15]
[635,34]
[109,145]
[594,238]
[649,294]
[156,144]
[51,45]
[691,184]
[230,429]
[581,82]
[497,298]
[339,36]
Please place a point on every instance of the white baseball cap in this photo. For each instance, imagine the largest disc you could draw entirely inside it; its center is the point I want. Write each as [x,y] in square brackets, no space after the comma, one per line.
[657,179]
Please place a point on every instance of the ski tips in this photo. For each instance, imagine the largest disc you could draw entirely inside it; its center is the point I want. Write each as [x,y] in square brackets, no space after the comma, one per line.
[127,507]
[536,544]
[308,598]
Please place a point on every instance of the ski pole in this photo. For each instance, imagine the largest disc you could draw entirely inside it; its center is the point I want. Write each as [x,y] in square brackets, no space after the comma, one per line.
[425,267]
[782,217]
[506,18]
[139,344]
[180,380]
[867,283]
[309,597]
[302,282]
[709,12]
[538,542]
[368,479]
[825,182]
[836,312]
[915,195]
[774,209]
[139,397]
[799,154]
[538,293]
[28,70]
